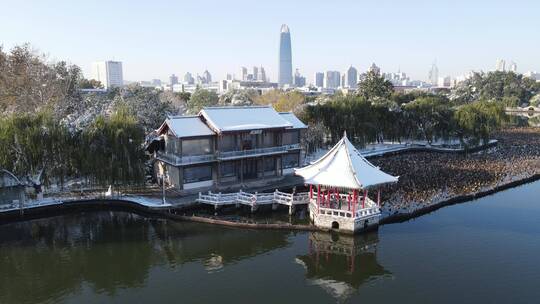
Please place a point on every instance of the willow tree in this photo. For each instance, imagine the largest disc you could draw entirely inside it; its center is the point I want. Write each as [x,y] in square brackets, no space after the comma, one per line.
[113,150]
[478,120]
[432,118]
[36,146]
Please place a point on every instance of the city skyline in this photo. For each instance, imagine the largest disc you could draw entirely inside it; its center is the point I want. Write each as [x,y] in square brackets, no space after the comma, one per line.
[407,37]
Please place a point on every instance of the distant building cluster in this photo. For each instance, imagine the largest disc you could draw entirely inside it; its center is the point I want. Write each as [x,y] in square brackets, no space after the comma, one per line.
[110,74]
[257,74]
[501,65]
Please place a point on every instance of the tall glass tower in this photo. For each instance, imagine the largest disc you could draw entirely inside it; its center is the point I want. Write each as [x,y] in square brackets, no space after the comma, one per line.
[285,57]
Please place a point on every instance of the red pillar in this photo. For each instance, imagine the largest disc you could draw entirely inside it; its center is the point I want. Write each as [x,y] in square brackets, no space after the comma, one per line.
[355,197]
[318,198]
[310,191]
[364,200]
[328,198]
[379,197]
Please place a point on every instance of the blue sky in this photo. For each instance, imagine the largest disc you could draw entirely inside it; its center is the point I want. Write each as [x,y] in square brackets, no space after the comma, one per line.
[157,38]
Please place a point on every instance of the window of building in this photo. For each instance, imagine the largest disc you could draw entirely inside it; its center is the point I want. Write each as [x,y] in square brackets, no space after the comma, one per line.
[228,143]
[227,169]
[290,160]
[291,137]
[269,164]
[269,139]
[171,143]
[197,174]
[191,147]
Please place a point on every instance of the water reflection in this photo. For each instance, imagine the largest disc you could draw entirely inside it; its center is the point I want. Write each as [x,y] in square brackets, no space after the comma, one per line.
[45,260]
[103,253]
[340,264]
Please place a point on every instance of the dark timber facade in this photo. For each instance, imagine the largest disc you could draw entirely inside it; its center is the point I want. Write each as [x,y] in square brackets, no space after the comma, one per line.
[227,146]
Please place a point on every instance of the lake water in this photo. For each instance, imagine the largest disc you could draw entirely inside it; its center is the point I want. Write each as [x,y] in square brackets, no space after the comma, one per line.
[486,250]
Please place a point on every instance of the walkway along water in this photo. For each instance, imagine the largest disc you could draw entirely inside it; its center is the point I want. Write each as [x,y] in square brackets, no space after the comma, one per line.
[154,206]
[128,204]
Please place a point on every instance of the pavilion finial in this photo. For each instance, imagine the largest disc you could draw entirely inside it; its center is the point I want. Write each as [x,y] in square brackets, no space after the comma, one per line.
[345,133]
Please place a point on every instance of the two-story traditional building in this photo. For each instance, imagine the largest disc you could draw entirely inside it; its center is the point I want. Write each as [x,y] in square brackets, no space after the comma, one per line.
[226,146]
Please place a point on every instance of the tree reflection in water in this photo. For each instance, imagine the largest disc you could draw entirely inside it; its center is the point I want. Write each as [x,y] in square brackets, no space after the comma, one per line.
[81,256]
[340,264]
[44,260]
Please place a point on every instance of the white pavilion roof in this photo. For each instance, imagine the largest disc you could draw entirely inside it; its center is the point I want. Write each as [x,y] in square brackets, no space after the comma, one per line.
[344,167]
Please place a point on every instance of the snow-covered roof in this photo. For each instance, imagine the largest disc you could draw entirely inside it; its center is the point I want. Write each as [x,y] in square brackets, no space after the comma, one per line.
[186,126]
[223,119]
[290,117]
[344,167]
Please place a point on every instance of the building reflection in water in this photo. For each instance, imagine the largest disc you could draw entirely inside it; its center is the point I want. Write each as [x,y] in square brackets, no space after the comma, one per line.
[340,264]
[105,252]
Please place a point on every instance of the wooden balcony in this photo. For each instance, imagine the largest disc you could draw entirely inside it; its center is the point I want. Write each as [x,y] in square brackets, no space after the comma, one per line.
[197,159]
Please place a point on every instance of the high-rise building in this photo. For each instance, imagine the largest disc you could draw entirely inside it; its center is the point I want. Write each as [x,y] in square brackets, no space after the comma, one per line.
[319,79]
[156,82]
[255,73]
[500,65]
[262,75]
[243,73]
[188,78]
[299,80]
[173,79]
[207,78]
[397,79]
[513,67]
[332,79]
[351,78]
[374,68]
[109,73]
[285,57]
[445,82]
[433,76]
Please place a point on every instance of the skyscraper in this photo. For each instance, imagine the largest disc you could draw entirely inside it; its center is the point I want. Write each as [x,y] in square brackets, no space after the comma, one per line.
[319,79]
[299,80]
[256,73]
[173,79]
[243,73]
[285,57]
[512,67]
[262,75]
[207,78]
[500,65]
[332,79]
[188,78]
[109,73]
[351,78]
[433,76]
[374,68]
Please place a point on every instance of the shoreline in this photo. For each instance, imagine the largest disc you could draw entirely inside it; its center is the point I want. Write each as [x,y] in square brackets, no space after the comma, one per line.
[457,199]
[165,213]
[431,179]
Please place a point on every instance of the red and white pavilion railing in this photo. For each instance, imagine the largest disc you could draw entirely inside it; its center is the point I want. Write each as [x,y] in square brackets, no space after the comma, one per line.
[353,204]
